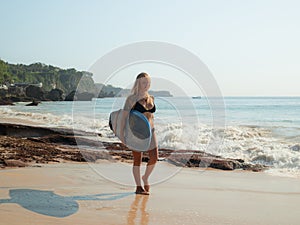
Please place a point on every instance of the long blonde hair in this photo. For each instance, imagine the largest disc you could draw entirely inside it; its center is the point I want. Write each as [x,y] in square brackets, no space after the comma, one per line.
[135,90]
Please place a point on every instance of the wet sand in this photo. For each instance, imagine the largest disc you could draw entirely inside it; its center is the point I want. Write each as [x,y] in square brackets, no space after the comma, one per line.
[76,193]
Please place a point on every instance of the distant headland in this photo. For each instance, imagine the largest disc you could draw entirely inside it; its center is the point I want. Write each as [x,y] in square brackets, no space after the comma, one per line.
[41,82]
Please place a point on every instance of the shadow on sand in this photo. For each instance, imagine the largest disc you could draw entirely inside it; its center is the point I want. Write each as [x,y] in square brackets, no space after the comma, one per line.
[50,204]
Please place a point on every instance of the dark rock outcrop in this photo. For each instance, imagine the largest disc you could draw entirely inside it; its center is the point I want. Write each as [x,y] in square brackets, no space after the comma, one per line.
[85,96]
[14,151]
[74,96]
[3,93]
[6,102]
[35,92]
[33,103]
[71,96]
[24,131]
[55,95]
[14,163]
[19,99]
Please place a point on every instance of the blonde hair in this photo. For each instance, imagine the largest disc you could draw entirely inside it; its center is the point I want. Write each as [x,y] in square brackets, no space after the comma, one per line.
[136,86]
[135,90]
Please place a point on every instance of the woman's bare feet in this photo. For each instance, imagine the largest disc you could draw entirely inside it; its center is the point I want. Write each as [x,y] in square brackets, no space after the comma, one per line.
[141,191]
[146,184]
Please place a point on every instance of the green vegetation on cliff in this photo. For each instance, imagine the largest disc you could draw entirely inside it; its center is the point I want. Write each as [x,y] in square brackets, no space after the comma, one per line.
[50,76]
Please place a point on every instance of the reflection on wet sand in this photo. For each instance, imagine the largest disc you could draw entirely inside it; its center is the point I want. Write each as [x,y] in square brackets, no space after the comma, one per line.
[138,205]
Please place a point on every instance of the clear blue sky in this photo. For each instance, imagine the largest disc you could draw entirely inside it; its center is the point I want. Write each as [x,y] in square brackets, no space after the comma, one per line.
[251,47]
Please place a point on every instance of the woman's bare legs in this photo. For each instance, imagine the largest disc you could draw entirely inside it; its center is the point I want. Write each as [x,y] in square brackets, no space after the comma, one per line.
[153,157]
[136,170]
[137,160]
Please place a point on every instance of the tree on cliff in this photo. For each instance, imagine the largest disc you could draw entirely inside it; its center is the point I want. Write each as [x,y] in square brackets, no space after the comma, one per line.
[5,76]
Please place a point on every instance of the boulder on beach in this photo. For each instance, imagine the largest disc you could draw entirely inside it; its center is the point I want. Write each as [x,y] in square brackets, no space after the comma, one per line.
[14,163]
[33,103]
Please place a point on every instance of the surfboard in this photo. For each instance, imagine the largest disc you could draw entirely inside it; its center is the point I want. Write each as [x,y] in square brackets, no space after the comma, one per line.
[137,131]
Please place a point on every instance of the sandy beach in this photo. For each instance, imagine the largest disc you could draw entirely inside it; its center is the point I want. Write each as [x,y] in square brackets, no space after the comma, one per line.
[75,193]
[57,187]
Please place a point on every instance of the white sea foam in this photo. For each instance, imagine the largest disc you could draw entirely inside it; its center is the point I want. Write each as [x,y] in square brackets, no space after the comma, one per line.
[45,119]
[257,145]
[252,144]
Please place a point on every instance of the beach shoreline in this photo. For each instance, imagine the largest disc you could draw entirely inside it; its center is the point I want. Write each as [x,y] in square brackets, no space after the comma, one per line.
[77,194]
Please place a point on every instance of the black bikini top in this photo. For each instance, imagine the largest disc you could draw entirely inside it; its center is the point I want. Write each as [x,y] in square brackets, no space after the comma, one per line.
[139,107]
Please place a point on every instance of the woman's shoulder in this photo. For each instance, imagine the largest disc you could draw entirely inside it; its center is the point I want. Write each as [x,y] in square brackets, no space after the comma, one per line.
[129,103]
[131,98]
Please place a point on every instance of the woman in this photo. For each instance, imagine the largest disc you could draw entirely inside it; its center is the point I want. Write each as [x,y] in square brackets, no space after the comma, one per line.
[141,101]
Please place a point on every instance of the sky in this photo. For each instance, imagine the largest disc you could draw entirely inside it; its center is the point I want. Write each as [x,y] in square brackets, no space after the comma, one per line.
[251,48]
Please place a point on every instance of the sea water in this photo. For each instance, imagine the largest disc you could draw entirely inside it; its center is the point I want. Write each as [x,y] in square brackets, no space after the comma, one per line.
[262,130]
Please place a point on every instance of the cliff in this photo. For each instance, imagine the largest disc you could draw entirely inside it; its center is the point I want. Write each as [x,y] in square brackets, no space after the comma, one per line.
[50,77]
[19,82]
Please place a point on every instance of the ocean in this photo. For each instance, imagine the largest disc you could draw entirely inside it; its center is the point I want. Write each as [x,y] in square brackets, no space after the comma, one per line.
[263,130]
